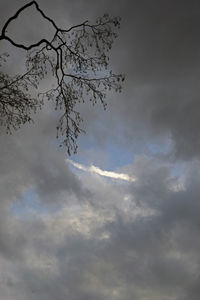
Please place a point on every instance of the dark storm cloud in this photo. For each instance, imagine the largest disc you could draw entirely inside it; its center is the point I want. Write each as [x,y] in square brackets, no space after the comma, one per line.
[163,68]
[158,49]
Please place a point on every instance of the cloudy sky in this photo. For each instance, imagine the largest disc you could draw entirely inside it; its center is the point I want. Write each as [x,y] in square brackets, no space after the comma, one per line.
[120,219]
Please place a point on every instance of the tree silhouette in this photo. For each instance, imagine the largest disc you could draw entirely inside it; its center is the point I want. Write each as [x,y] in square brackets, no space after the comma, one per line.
[76,57]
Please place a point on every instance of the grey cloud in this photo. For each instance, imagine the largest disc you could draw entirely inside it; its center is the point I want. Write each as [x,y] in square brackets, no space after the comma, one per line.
[103,249]
[156,254]
[158,49]
[30,160]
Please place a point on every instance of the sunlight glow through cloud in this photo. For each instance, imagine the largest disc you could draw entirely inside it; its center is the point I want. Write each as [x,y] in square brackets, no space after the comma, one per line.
[96,170]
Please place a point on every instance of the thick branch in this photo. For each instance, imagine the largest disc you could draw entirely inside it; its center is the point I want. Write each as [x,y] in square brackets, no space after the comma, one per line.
[79,53]
[27,47]
[22,9]
[3,35]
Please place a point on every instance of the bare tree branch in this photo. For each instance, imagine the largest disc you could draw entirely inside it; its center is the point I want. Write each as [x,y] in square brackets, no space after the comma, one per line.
[77,58]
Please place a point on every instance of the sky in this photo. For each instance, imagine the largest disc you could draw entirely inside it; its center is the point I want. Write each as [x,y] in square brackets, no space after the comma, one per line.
[120,219]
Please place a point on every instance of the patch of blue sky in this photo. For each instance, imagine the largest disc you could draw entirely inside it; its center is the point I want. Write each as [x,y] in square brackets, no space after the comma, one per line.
[177,169]
[118,156]
[111,156]
[29,202]
[161,148]
[164,150]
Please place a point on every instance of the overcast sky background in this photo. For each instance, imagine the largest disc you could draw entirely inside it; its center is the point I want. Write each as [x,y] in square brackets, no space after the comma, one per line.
[67,233]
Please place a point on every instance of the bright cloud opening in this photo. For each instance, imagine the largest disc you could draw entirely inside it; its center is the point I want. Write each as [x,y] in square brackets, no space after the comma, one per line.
[97,170]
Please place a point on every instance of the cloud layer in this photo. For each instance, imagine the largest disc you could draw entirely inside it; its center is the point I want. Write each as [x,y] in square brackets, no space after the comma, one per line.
[100,172]
[74,235]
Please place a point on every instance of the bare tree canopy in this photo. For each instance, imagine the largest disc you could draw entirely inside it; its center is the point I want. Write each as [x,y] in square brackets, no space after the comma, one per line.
[76,57]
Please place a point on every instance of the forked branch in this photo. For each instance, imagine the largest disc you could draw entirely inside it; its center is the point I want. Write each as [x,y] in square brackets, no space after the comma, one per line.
[77,58]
